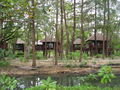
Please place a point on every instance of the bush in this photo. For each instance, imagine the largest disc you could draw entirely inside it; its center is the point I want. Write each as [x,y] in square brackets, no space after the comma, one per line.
[76,55]
[22,59]
[19,54]
[39,55]
[7,83]
[98,55]
[117,53]
[9,54]
[106,74]
[4,63]
[6,54]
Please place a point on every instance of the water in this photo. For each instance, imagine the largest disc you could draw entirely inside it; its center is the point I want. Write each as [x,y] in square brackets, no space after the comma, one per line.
[65,80]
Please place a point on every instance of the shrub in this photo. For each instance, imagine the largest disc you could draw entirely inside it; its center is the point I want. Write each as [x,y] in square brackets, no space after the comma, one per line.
[19,54]
[4,63]
[106,74]
[7,83]
[39,55]
[98,55]
[76,55]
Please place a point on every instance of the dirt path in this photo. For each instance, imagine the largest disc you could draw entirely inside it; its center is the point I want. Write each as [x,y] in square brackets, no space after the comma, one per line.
[48,67]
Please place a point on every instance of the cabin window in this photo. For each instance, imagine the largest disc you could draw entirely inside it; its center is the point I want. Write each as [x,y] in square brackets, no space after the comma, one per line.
[50,45]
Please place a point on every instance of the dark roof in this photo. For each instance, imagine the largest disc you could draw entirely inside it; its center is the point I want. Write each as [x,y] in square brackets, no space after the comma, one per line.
[49,39]
[77,41]
[99,37]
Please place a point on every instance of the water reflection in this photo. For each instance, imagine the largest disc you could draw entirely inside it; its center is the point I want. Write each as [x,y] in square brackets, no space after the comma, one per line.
[65,80]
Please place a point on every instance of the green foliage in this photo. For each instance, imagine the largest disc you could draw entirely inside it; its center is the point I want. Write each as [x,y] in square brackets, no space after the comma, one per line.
[6,54]
[76,55]
[4,63]
[46,85]
[89,78]
[39,55]
[7,83]
[19,54]
[9,54]
[92,77]
[22,59]
[86,87]
[73,55]
[2,53]
[117,53]
[106,74]
[82,87]
[98,55]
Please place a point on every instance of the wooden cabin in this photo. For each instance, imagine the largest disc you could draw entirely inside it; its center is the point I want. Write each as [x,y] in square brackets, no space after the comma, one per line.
[96,46]
[50,44]
[19,45]
[38,45]
[76,44]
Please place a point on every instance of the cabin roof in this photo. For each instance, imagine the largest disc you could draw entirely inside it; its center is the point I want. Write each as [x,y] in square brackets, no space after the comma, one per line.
[19,41]
[38,42]
[49,39]
[99,37]
[77,41]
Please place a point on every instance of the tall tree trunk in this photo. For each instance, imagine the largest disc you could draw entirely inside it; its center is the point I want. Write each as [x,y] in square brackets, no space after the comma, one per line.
[33,34]
[108,28]
[82,32]
[27,43]
[67,33]
[56,35]
[61,5]
[104,28]
[96,48]
[45,51]
[74,27]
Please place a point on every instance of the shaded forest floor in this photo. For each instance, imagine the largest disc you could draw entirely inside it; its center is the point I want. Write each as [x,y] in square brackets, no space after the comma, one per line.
[64,67]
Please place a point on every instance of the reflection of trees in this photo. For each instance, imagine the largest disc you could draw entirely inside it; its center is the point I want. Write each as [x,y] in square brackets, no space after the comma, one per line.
[65,80]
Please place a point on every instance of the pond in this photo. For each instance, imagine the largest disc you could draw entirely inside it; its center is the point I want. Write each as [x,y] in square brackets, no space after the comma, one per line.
[65,80]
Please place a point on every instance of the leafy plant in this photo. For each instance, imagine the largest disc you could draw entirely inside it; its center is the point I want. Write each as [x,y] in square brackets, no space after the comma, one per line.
[92,77]
[106,74]
[39,55]
[98,55]
[6,54]
[4,63]
[48,84]
[7,82]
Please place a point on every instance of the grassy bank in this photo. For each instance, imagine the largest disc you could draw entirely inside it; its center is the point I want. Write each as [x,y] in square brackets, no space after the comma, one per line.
[84,87]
